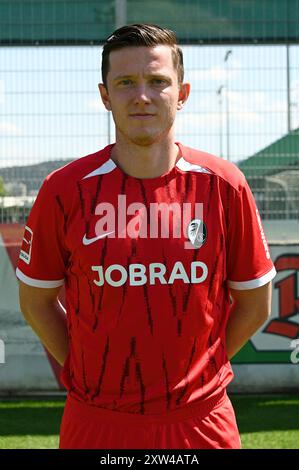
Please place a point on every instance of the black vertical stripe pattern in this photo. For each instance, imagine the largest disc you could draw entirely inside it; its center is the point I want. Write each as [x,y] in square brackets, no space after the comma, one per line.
[71,368]
[91,293]
[126,370]
[104,251]
[147,303]
[103,369]
[173,300]
[188,182]
[212,360]
[133,347]
[124,292]
[227,214]
[213,364]
[96,321]
[95,197]
[143,193]
[184,390]
[78,288]
[101,292]
[211,282]
[87,227]
[72,387]
[125,286]
[202,380]
[84,375]
[223,347]
[81,199]
[171,295]
[179,327]
[134,247]
[148,310]
[60,205]
[215,268]
[187,294]
[83,208]
[123,183]
[77,309]
[142,387]
[182,189]
[125,375]
[168,394]
[224,269]
[227,202]
[211,188]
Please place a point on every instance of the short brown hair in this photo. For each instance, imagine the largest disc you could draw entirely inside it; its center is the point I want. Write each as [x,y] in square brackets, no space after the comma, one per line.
[142,35]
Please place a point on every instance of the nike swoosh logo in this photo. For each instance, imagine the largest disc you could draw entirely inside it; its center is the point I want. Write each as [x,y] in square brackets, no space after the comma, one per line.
[88,241]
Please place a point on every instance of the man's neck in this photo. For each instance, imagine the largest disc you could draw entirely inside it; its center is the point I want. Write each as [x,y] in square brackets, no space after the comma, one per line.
[145,161]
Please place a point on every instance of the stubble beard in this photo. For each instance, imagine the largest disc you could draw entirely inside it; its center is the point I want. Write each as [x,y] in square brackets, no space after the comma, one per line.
[145,139]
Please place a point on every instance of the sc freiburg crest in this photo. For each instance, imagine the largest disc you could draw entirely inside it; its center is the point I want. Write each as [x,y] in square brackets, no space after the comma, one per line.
[197,233]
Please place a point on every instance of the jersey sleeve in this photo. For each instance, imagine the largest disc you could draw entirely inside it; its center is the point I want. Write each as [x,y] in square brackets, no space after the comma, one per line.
[249,262]
[43,256]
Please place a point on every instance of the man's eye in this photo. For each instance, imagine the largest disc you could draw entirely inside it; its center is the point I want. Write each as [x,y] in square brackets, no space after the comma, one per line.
[125,82]
[159,81]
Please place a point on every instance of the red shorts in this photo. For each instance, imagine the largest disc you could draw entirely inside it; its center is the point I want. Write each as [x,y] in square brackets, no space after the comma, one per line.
[209,424]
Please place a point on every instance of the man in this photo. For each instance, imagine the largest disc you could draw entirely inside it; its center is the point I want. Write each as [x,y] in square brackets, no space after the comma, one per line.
[152,241]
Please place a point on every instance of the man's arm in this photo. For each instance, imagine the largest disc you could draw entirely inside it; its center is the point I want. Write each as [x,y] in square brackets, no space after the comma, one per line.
[250,309]
[46,316]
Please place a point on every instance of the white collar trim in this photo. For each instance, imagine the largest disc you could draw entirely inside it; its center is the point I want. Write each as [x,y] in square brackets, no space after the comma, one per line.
[107,167]
[183,165]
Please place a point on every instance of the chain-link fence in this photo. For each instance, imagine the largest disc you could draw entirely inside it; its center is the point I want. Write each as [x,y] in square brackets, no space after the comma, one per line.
[241,58]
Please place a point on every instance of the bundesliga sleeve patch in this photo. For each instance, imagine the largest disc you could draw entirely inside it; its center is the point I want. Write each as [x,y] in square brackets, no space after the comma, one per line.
[25,253]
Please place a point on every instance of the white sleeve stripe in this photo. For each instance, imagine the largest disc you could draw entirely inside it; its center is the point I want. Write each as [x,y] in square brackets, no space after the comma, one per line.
[254,283]
[37,282]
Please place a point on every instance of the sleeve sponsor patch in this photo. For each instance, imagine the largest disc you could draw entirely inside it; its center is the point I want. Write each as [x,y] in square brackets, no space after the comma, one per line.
[25,253]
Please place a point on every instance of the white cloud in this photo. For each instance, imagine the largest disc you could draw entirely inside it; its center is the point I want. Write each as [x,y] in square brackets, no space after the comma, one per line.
[192,122]
[215,74]
[2,91]
[243,108]
[247,117]
[210,121]
[10,153]
[218,73]
[255,103]
[95,105]
[9,128]
[278,107]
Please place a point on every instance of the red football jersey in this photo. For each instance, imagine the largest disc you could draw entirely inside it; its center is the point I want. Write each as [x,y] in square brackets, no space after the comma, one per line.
[147,265]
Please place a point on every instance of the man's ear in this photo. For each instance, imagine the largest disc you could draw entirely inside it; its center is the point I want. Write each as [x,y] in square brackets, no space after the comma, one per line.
[104,96]
[183,95]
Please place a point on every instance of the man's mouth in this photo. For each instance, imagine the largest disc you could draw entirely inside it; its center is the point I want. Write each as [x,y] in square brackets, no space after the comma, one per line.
[142,115]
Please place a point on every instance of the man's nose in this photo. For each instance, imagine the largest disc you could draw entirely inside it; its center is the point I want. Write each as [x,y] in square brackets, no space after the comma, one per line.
[142,94]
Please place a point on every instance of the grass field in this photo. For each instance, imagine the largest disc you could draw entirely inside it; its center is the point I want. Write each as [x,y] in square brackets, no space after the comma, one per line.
[265,422]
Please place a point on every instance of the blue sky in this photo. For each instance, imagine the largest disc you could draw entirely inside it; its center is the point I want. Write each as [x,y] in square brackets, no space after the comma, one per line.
[50,108]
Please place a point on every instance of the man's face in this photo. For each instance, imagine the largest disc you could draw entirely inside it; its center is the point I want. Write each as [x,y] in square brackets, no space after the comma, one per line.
[143,93]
